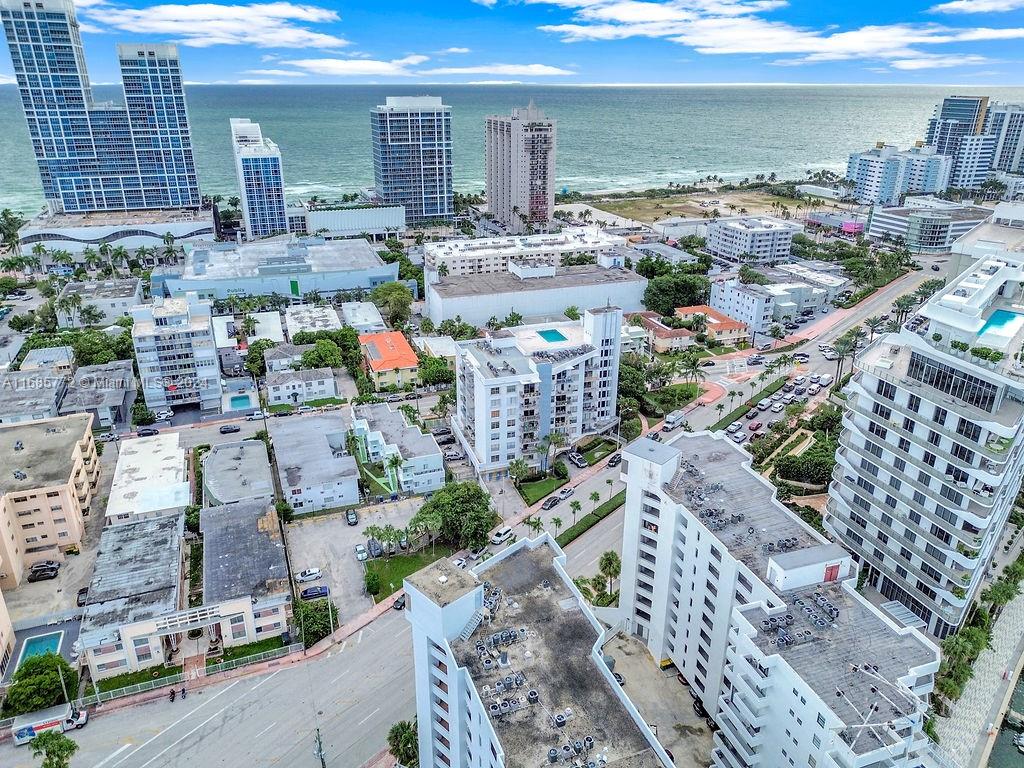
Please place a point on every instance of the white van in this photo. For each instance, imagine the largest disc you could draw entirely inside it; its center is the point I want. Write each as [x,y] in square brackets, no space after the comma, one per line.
[501,535]
[826,380]
[813,389]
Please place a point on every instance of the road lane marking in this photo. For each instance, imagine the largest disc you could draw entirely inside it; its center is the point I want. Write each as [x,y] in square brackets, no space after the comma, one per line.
[343,644]
[219,712]
[183,717]
[265,730]
[108,758]
[340,676]
[360,638]
[266,680]
[368,717]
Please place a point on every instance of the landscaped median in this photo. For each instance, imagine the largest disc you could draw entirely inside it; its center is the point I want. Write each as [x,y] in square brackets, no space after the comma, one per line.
[591,519]
[740,412]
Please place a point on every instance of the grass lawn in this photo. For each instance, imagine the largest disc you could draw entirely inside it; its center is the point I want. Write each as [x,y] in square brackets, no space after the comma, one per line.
[373,486]
[280,408]
[249,649]
[598,449]
[135,678]
[327,401]
[650,209]
[538,489]
[393,570]
[674,396]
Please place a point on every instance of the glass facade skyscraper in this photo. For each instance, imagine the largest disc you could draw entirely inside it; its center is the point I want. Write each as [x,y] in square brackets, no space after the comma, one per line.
[100,156]
[412,156]
[260,181]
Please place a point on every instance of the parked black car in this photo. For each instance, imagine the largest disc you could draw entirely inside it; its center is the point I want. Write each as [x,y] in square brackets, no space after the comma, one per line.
[229,429]
[399,604]
[351,517]
[42,574]
[550,502]
[313,593]
[147,431]
[374,548]
[615,460]
[83,595]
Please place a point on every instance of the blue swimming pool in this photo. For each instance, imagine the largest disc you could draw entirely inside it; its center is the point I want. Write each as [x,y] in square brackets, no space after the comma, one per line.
[240,402]
[37,645]
[1002,324]
[551,336]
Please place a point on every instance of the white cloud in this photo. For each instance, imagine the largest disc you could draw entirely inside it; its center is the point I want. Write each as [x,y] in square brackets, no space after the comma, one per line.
[275,72]
[264,25]
[978,6]
[258,81]
[486,3]
[358,67]
[719,27]
[269,57]
[530,70]
[6,79]
[456,50]
[495,82]
[91,29]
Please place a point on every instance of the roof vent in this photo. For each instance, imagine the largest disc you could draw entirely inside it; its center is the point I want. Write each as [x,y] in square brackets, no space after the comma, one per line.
[19,475]
[18,445]
[442,579]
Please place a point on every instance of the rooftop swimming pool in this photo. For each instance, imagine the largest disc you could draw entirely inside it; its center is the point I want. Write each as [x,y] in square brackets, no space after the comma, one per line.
[1000,328]
[551,335]
[238,402]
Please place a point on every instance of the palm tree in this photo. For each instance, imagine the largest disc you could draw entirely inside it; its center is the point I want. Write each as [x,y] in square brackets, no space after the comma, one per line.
[595,497]
[610,566]
[248,325]
[403,742]
[844,348]
[732,395]
[69,305]
[393,465]
[873,324]
[91,258]
[610,482]
[535,524]
[720,408]
[557,523]
[90,314]
[550,443]
[576,507]
[517,470]
[903,305]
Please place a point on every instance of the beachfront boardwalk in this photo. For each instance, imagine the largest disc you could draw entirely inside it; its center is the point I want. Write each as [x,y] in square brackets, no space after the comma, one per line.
[964,735]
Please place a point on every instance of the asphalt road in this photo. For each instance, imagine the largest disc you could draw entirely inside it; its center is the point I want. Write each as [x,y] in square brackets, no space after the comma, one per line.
[353,695]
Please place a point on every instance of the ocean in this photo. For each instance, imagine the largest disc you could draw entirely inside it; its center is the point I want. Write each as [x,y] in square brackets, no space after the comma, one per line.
[612,137]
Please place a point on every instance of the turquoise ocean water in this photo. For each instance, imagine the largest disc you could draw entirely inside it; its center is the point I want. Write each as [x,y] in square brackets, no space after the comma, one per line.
[609,137]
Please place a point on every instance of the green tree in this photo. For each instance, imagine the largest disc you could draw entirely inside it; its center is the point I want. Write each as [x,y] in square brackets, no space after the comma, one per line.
[595,498]
[141,415]
[284,509]
[7,284]
[427,326]
[403,743]
[372,579]
[90,314]
[557,523]
[434,370]
[610,566]
[325,354]
[610,482]
[394,300]
[663,294]
[254,362]
[54,747]
[40,682]
[460,513]
[572,312]
[316,619]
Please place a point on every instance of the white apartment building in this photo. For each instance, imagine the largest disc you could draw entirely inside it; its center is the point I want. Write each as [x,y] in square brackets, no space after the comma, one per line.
[749,303]
[150,480]
[523,383]
[925,225]
[973,161]
[381,433]
[884,174]
[824,276]
[113,299]
[412,156]
[284,357]
[510,670]
[289,387]
[310,317]
[455,258]
[520,164]
[260,180]
[535,289]
[1006,123]
[931,454]
[750,240]
[760,614]
[313,463]
[176,353]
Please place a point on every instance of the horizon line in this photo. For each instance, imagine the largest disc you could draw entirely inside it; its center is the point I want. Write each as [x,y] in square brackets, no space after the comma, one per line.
[767,83]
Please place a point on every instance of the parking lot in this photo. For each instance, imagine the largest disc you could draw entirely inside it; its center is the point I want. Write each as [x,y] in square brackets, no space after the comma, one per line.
[662,700]
[329,542]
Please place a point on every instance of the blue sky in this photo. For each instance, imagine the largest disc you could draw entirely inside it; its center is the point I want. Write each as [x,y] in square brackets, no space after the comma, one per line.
[569,41]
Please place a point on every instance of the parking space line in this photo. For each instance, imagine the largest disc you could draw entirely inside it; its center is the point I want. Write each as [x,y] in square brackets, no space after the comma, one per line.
[340,676]
[265,730]
[108,758]
[360,638]
[343,644]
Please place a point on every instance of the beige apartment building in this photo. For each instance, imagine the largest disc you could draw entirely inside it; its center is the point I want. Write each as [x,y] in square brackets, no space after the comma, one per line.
[50,473]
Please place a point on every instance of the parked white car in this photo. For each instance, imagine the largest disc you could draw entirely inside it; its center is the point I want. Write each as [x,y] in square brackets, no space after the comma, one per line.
[736,426]
[164,415]
[309,574]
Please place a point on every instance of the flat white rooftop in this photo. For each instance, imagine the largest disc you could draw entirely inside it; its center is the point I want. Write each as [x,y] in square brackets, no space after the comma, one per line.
[224,261]
[150,477]
[568,240]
